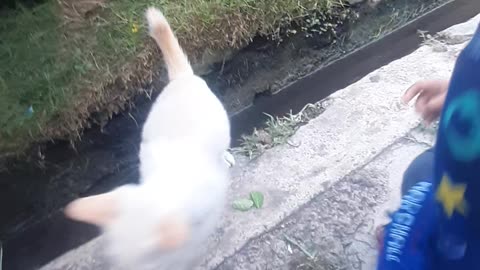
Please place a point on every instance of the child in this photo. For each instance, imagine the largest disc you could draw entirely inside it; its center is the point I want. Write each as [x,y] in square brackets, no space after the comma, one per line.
[438,223]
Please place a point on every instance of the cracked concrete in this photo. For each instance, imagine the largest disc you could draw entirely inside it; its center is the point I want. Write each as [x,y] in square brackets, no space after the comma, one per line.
[330,187]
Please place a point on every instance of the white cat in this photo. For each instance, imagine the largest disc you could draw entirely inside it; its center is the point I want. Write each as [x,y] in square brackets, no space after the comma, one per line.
[163,222]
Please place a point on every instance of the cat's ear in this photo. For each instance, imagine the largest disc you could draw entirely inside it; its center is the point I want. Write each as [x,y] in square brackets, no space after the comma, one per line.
[172,232]
[98,210]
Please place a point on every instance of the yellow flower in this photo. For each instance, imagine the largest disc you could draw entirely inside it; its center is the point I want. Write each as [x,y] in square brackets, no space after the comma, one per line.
[134,28]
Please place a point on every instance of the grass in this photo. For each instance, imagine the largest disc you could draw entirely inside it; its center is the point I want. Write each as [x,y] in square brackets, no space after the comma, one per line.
[277,131]
[65,61]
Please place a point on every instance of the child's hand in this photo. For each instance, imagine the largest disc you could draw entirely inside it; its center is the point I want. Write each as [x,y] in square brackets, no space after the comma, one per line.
[431,97]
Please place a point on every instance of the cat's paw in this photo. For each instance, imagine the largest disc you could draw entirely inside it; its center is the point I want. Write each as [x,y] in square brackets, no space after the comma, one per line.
[229,159]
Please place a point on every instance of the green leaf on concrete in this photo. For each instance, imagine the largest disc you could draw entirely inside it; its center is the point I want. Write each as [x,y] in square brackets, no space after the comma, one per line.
[243,204]
[257,199]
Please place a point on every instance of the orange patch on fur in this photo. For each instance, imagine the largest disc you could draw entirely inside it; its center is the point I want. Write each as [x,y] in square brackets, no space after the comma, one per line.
[173,233]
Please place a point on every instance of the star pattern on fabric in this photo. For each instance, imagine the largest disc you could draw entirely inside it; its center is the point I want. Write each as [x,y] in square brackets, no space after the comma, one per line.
[451,196]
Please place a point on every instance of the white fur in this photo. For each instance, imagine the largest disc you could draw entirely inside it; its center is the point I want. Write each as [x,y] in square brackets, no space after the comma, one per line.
[182,169]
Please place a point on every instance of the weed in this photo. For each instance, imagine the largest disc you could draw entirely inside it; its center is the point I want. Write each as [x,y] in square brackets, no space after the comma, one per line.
[277,131]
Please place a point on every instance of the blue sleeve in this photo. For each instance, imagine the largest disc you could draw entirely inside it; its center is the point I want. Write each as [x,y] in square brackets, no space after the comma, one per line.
[407,237]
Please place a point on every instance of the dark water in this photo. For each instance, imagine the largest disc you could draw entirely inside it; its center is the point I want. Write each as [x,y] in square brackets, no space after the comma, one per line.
[34,230]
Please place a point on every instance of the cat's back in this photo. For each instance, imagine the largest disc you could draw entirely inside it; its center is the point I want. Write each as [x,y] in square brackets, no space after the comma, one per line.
[187,108]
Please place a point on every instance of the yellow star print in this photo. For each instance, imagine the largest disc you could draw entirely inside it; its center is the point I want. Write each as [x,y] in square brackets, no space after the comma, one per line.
[451,196]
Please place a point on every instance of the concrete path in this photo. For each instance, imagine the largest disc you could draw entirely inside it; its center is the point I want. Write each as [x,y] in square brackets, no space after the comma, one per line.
[326,192]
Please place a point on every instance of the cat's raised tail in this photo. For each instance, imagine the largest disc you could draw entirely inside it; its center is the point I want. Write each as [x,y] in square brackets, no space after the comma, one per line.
[175,59]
